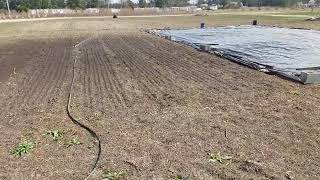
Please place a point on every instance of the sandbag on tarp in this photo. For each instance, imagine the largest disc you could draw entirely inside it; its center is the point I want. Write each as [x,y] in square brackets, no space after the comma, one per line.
[313,19]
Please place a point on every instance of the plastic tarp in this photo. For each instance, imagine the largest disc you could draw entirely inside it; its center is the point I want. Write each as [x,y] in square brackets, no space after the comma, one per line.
[283,50]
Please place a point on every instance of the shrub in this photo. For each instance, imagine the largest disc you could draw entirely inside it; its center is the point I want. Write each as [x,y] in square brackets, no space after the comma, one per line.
[21,8]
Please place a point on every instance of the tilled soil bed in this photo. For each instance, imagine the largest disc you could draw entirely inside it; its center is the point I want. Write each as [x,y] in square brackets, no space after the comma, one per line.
[159,108]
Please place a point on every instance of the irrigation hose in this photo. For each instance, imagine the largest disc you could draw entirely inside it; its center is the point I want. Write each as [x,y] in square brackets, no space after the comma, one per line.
[77,122]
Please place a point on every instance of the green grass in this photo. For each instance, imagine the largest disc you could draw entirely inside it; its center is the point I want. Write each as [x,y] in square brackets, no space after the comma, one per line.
[23,148]
[307,12]
[40,29]
[113,175]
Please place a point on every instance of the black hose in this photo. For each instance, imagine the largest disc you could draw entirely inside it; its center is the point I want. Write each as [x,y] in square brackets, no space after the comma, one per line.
[92,133]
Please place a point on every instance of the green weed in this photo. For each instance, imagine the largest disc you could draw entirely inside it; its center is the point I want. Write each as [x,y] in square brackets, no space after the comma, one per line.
[55,134]
[72,142]
[23,148]
[218,157]
[113,175]
[294,92]
[180,177]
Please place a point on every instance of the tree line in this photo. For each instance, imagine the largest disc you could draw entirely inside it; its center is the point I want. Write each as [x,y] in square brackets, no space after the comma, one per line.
[24,5]
[256,3]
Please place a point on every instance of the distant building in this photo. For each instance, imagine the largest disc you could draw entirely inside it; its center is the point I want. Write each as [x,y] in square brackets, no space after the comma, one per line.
[233,3]
[204,6]
[207,7]
[115,11]
[213,7]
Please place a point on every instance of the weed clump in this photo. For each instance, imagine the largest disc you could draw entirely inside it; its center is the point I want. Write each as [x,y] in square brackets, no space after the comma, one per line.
[55,134]
[73,142]
[180,177]
[218,157]
[113,175]
[23,148]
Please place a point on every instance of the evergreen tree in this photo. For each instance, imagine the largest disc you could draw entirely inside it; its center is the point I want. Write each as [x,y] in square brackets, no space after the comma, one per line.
[73,4]
[92,3]
[130,4]
[142,3]
[177,3]
[160,3]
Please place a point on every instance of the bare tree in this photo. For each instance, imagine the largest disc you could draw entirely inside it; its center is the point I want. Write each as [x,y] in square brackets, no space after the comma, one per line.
[8,8]
[107,3]
[123,3]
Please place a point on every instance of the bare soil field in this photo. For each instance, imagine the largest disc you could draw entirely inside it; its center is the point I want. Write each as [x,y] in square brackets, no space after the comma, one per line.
[159,108]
